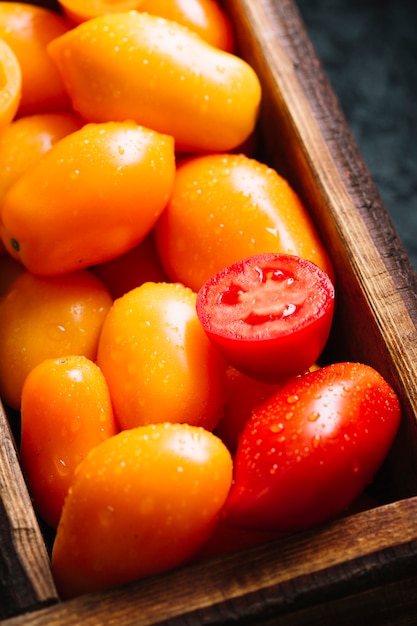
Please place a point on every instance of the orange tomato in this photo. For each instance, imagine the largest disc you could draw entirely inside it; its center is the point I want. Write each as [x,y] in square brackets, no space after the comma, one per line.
[27,29]
[142,502]
[158,363]
[47,317]
[9,270]
[65,412]
[205,17]
[27,138]
[94,195]
[138,66]
[226,207]
[132,269]
[78,11]
[10,84]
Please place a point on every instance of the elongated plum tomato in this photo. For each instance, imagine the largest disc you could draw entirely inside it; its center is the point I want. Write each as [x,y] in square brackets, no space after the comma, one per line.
[45,317]
[158,362]
[93,196]
[269,315]
[206,17]
[28,29]
[66,411]
[27,138]
[162,75]
[312,448]
[10,85]
[225,207]
[142,502]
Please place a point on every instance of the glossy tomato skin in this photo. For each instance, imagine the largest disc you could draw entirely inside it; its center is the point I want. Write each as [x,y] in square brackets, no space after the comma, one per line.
[142,502]
[94,195]
[270,315]
[157,360]
[65,412]
[205,17]
[11,85]
[27,138]
[226,207]
[47,317]
[163,76]
[28,29]
[310,449]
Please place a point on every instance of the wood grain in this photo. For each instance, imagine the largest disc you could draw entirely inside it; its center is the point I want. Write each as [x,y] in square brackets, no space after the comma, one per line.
[25,576]
[361,566]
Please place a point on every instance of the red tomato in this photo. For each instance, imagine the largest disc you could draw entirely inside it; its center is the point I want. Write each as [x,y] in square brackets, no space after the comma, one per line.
[269,315]
[310,449]
[93,195]
[157,360]
[142,502]
[161,75]
[244,394]
[226,207]
[66,411]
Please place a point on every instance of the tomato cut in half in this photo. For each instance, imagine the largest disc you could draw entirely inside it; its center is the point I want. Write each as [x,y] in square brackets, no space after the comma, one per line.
[269,315]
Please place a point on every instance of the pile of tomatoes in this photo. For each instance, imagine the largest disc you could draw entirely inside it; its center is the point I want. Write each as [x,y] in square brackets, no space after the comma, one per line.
[164,299]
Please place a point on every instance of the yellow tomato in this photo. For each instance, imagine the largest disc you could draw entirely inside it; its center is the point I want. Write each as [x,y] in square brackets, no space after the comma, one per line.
[47,317]
[94,195]
[158,363]
[227,207]
[138,66]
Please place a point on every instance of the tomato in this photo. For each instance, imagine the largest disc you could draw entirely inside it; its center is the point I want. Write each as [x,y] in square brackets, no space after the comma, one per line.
[94,195]
[224,208]
[243,395]
[78,11]
[47,317]
[142,502]
[162,75]
[28,29]
[311,448]
[27,138]
[132,269]
[9,270]
[206,17]
[65,412]
[158,363]
[269,315]
[10,84]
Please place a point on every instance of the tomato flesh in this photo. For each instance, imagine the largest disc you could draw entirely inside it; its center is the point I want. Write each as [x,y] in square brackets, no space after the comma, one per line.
[270,314]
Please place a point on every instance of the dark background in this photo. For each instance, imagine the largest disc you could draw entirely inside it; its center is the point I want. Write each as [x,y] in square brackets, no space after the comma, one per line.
[368,49]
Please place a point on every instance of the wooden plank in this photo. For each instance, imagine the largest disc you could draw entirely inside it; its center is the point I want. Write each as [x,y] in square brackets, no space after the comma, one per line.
[372,551]
[25,575]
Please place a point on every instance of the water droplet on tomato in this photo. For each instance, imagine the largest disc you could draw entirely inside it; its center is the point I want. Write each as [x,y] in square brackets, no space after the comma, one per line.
[313,417]
[292,399]
[106,515]
[61,467]
[316,441]
[276,428]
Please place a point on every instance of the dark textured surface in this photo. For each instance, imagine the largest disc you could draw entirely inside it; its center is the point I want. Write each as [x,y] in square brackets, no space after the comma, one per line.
[368,49]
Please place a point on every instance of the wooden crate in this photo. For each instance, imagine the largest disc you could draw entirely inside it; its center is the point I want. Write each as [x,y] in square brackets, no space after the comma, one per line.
[362,566]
